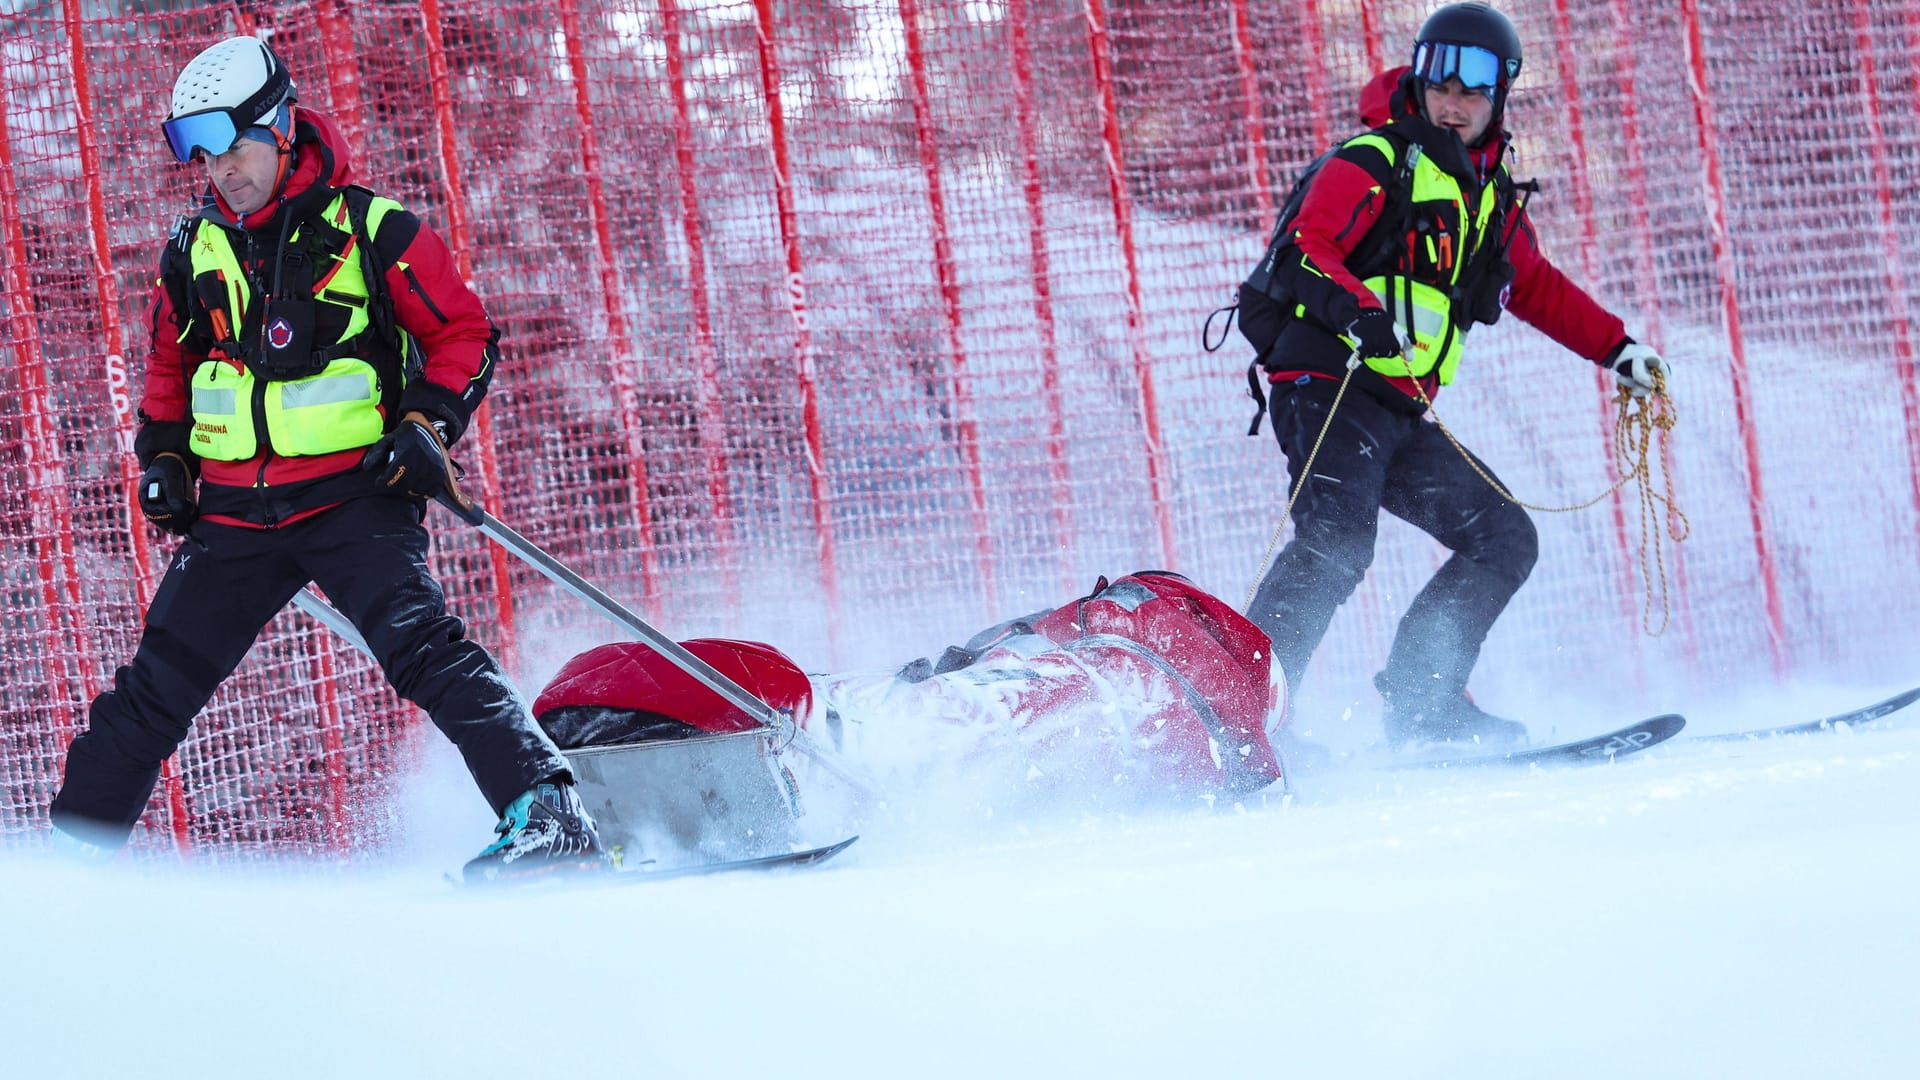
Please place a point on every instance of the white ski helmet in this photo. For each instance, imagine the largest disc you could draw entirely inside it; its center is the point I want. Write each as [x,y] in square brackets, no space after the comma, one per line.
[231,86]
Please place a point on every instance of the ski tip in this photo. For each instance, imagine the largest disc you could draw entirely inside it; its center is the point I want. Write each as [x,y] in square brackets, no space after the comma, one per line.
[1667,725]
[1595,749]
[1864,715]
[1631,739]
[822,854]
[1897,701]
[648,871]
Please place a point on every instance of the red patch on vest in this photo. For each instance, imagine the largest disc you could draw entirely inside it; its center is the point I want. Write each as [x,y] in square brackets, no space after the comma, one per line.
[280,334]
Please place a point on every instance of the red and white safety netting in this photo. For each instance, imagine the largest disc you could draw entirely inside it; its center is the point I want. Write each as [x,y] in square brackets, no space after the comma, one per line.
[853,324]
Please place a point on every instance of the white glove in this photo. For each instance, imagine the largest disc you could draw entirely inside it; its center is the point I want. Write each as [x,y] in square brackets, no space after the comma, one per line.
[1635,367]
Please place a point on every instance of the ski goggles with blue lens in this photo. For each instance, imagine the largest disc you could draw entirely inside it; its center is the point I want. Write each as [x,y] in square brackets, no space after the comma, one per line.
[214,131]
[1475,67]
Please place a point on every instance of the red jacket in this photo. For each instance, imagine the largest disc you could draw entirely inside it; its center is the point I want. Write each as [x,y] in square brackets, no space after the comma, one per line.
[1344,201]
[430,301]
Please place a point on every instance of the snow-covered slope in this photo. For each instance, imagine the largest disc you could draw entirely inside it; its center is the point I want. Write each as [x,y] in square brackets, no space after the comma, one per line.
[1726,909]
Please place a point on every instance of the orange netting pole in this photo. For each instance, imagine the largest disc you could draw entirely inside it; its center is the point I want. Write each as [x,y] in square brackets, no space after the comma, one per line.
[1716,196]
[343,71]
[44,468]
[1582,185]
[1636,189]
[623,364]
[107,304]
[1101,48]
[803,335]
[1257,174]
[1891,257]
[460,238]
[1370,34]
[1318,96]
[708,397]
[1626,77]
[966,429]
[1060,475]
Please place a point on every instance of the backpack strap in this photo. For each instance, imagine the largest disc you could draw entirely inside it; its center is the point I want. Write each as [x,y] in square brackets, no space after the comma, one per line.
[373,267]
[1207,340]
[1258,393]
[1386,243]
[1266,305]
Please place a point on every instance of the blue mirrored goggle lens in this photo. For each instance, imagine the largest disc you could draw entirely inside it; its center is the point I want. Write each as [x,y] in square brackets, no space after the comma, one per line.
[212,132]
[1476,68]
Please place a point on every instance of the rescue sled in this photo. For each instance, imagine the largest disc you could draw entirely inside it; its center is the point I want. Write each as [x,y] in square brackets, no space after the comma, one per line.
[682,766]
[699,754]
[675,775]
[1146,689]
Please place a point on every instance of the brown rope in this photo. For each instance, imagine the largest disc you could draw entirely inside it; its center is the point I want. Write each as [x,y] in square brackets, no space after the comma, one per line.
[1299,484]
[1633,437]
[1634,434]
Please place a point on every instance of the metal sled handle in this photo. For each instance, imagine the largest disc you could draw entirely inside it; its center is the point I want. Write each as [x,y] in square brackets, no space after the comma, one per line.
[791,732]
[717,681]
[561,575]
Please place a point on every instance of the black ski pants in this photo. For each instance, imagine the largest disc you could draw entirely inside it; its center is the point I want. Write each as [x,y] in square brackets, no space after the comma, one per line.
[1376,457]
[370,558]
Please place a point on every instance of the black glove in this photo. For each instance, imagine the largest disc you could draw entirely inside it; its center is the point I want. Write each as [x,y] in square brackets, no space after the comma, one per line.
[1375,336]
[412,458]
[167,494]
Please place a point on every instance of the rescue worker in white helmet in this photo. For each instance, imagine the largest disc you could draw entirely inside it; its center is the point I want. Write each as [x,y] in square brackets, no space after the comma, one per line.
[314,353]
[1408,236]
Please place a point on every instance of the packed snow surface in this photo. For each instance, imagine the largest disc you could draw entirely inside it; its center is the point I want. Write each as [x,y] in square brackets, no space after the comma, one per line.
[1706,909]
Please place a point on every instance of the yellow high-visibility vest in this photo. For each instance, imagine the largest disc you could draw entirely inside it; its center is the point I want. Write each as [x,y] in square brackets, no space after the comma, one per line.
[236,412]
[1424,309]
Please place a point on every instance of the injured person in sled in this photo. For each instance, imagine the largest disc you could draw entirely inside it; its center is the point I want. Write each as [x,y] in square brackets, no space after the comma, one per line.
[1147,691]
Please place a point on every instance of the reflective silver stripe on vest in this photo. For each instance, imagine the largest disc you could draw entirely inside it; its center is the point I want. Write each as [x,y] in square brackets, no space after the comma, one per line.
[1427,322]
[328,391]
[212,402]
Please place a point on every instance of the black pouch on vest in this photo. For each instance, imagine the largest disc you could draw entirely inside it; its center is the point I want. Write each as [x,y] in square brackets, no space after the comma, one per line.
[285,348]
[1488,296]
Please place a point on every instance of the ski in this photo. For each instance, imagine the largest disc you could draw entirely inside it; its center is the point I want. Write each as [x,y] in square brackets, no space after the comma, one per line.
[592,878]
[1840,721]
[1310,759]
[809,857]
[1594,750]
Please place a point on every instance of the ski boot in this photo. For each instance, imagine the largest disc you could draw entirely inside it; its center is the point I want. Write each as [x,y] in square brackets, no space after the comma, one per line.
[544,831]
[77,844]
[1413,720]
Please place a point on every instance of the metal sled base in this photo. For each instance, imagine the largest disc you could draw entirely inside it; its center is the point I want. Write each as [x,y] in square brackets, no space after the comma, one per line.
[685,802]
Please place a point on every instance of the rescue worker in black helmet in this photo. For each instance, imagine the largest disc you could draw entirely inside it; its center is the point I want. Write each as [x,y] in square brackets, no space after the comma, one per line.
[314,353]
[1408,236]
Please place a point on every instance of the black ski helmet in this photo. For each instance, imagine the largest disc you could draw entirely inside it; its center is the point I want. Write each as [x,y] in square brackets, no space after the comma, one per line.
[1473,42]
